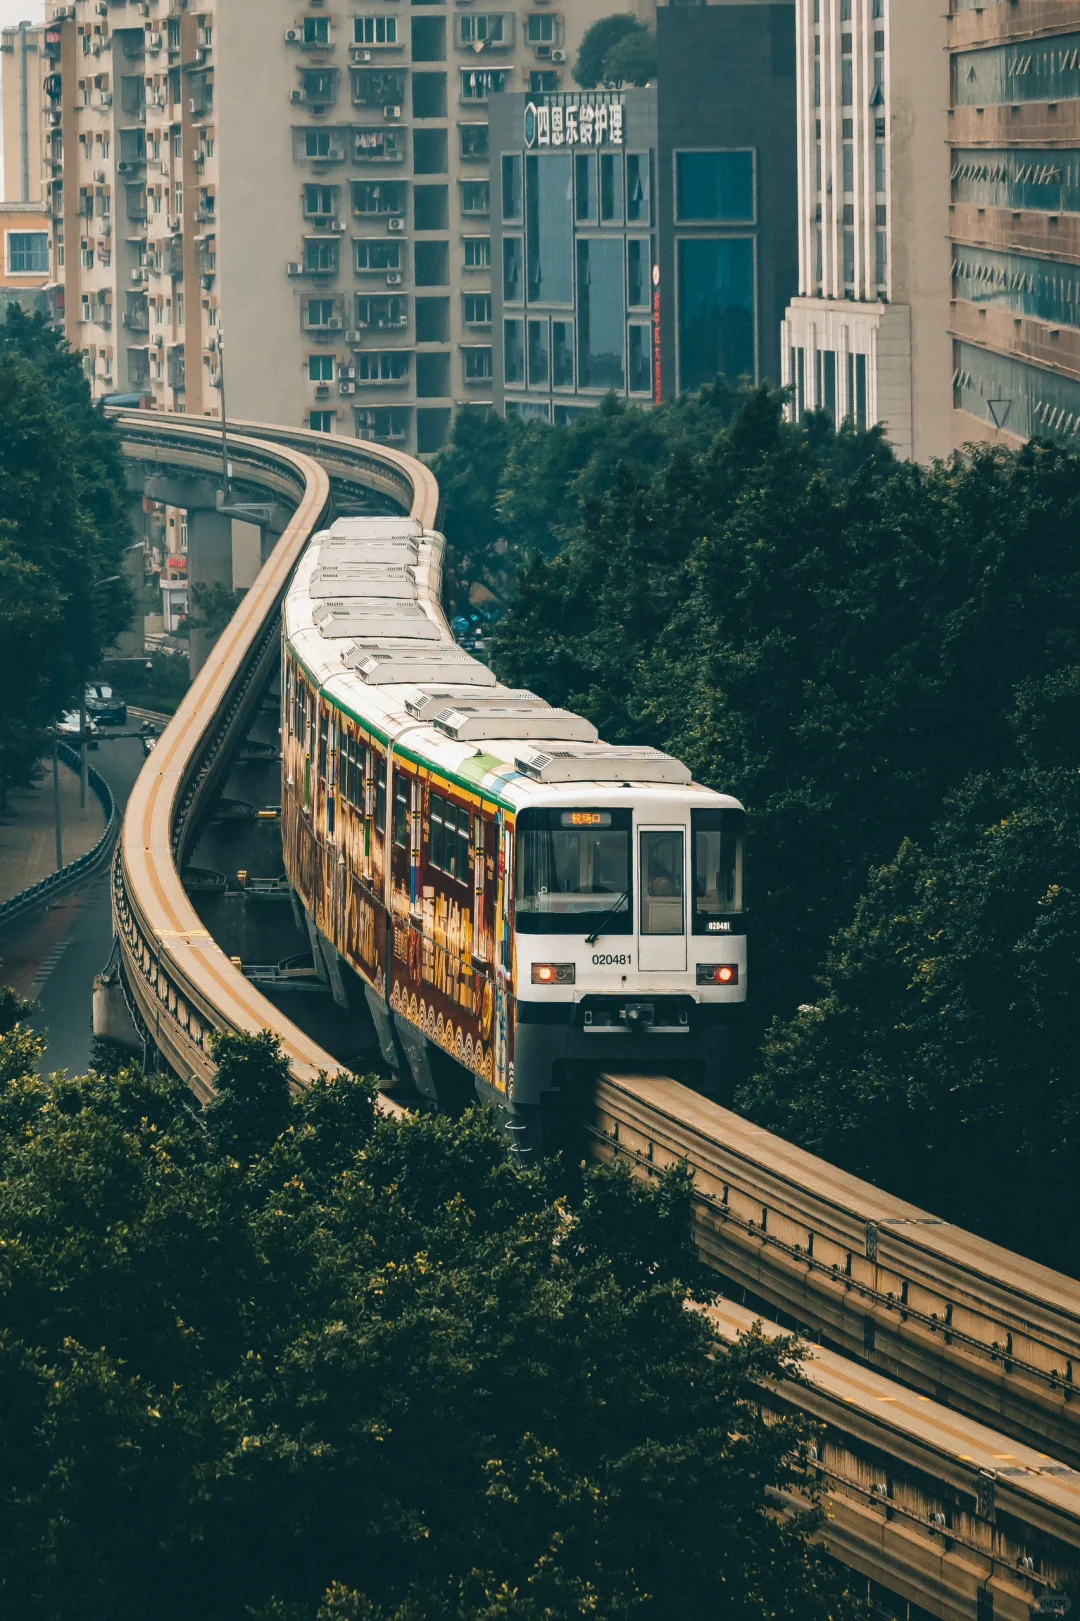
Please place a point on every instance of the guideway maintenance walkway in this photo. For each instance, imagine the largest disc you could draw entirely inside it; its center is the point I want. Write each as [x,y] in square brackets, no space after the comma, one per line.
[942,1507]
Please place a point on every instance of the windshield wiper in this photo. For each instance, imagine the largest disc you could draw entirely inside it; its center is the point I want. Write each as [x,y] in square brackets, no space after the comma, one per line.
[591,939]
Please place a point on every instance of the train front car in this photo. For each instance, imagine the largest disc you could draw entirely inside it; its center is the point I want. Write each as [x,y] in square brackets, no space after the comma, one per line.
[517,903]
[629,928]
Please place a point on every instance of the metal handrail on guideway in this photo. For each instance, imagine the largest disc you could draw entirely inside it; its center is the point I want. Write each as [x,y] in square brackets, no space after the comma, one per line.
[182,984]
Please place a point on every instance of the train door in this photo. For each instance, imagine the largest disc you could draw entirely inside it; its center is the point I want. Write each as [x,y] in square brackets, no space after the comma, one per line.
[662,899]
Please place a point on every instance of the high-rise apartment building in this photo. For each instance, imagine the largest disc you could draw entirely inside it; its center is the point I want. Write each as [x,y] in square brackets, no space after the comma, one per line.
[867,336]
[1014,129]
[310,183]
[24,234]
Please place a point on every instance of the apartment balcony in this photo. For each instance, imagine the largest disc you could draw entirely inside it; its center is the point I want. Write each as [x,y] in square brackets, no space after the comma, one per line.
[1052,236]
[1020,336]
[1034,121]
[135,321]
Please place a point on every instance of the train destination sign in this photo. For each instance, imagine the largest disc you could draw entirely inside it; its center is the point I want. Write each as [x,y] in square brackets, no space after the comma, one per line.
[575,121]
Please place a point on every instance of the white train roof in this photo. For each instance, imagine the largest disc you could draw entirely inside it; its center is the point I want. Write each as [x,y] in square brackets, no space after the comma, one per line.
[363,617]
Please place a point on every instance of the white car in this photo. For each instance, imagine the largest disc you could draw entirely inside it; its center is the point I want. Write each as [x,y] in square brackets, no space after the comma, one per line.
[69,724]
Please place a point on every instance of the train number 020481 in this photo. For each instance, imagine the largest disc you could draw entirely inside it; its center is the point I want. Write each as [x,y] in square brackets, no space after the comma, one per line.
[612,962]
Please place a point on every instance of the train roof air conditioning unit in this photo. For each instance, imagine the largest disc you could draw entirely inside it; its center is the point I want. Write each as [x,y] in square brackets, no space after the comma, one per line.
[476,723]
[600,762]
[384,667]
[396,618]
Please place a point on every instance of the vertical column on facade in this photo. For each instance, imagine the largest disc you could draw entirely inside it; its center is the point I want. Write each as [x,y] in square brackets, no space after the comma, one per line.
[70,138]
[210,545]
[189,225]
[845,403]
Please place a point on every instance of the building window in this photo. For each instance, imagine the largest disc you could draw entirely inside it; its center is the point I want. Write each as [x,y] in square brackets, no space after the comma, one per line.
[639,359]
[716,309]
[320,202]
[316,30]
[321,314]
[637,273]
[388,367]
[317,143]
[321,256]
[475,197]
[538,354]
[375,30]
[601,314]
[585,198]
[638,206]
[487,28]
[477,365]
[377,256]
[846,94]
[381,314]
[473,140]
[319,87]
[321,421]
[540,29]
[881,254]
[513,286]
[714,186]
[549,229]
[543,82]
[387,424]
[611,186]
[28,253]
[511,188]
[514,351]
[849,257]
[476,309]
[321,368]
[378,197]
[562,354]
[478,84]
[378,87]
[477,252]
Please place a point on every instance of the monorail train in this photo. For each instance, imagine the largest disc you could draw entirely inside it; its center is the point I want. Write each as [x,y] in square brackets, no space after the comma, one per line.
[517,899]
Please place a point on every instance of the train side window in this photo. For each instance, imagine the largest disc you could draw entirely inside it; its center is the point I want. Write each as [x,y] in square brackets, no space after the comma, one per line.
[324,743]
[448,847]
[401,813]
[380,796]
[717,838]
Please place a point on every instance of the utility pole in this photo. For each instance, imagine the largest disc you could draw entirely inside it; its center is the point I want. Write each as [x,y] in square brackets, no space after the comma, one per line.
[56,801]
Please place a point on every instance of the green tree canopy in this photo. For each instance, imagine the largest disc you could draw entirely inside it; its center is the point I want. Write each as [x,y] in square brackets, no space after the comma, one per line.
[362,1368]
[632,59]
[62,532]
[598,41]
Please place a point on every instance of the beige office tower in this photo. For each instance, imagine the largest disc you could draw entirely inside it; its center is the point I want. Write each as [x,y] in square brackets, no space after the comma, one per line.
[868,336]
[308,184]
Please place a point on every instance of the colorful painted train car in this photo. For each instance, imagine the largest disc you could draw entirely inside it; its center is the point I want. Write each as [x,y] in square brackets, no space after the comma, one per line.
[515,900]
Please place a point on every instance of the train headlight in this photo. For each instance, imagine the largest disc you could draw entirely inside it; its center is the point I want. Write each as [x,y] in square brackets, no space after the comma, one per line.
[553,973]
[718,973]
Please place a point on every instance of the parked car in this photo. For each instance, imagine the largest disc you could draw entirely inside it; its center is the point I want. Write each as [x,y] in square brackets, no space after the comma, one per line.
[105,705]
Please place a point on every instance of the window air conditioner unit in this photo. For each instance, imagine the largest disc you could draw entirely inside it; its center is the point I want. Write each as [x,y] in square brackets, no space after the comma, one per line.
[296,95]
[201,53]
[294,268]
[292,36]
[394,278]
[347,388]
[352,338]
[395,223]
[154,42]
[361,56]
[335,323]
[198,157]
[348,373]
[558,56]
[138,273]
[99,176]
[391,112]
[124,168]
[106,99]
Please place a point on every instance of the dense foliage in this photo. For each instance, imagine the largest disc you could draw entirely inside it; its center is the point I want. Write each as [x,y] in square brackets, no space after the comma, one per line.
[600,41]
[62,532]
[289,1360]
[843,642]
[510,488]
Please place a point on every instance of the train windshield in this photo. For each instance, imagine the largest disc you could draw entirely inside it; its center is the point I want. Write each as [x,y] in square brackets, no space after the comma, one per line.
[717,837]
[573,871]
